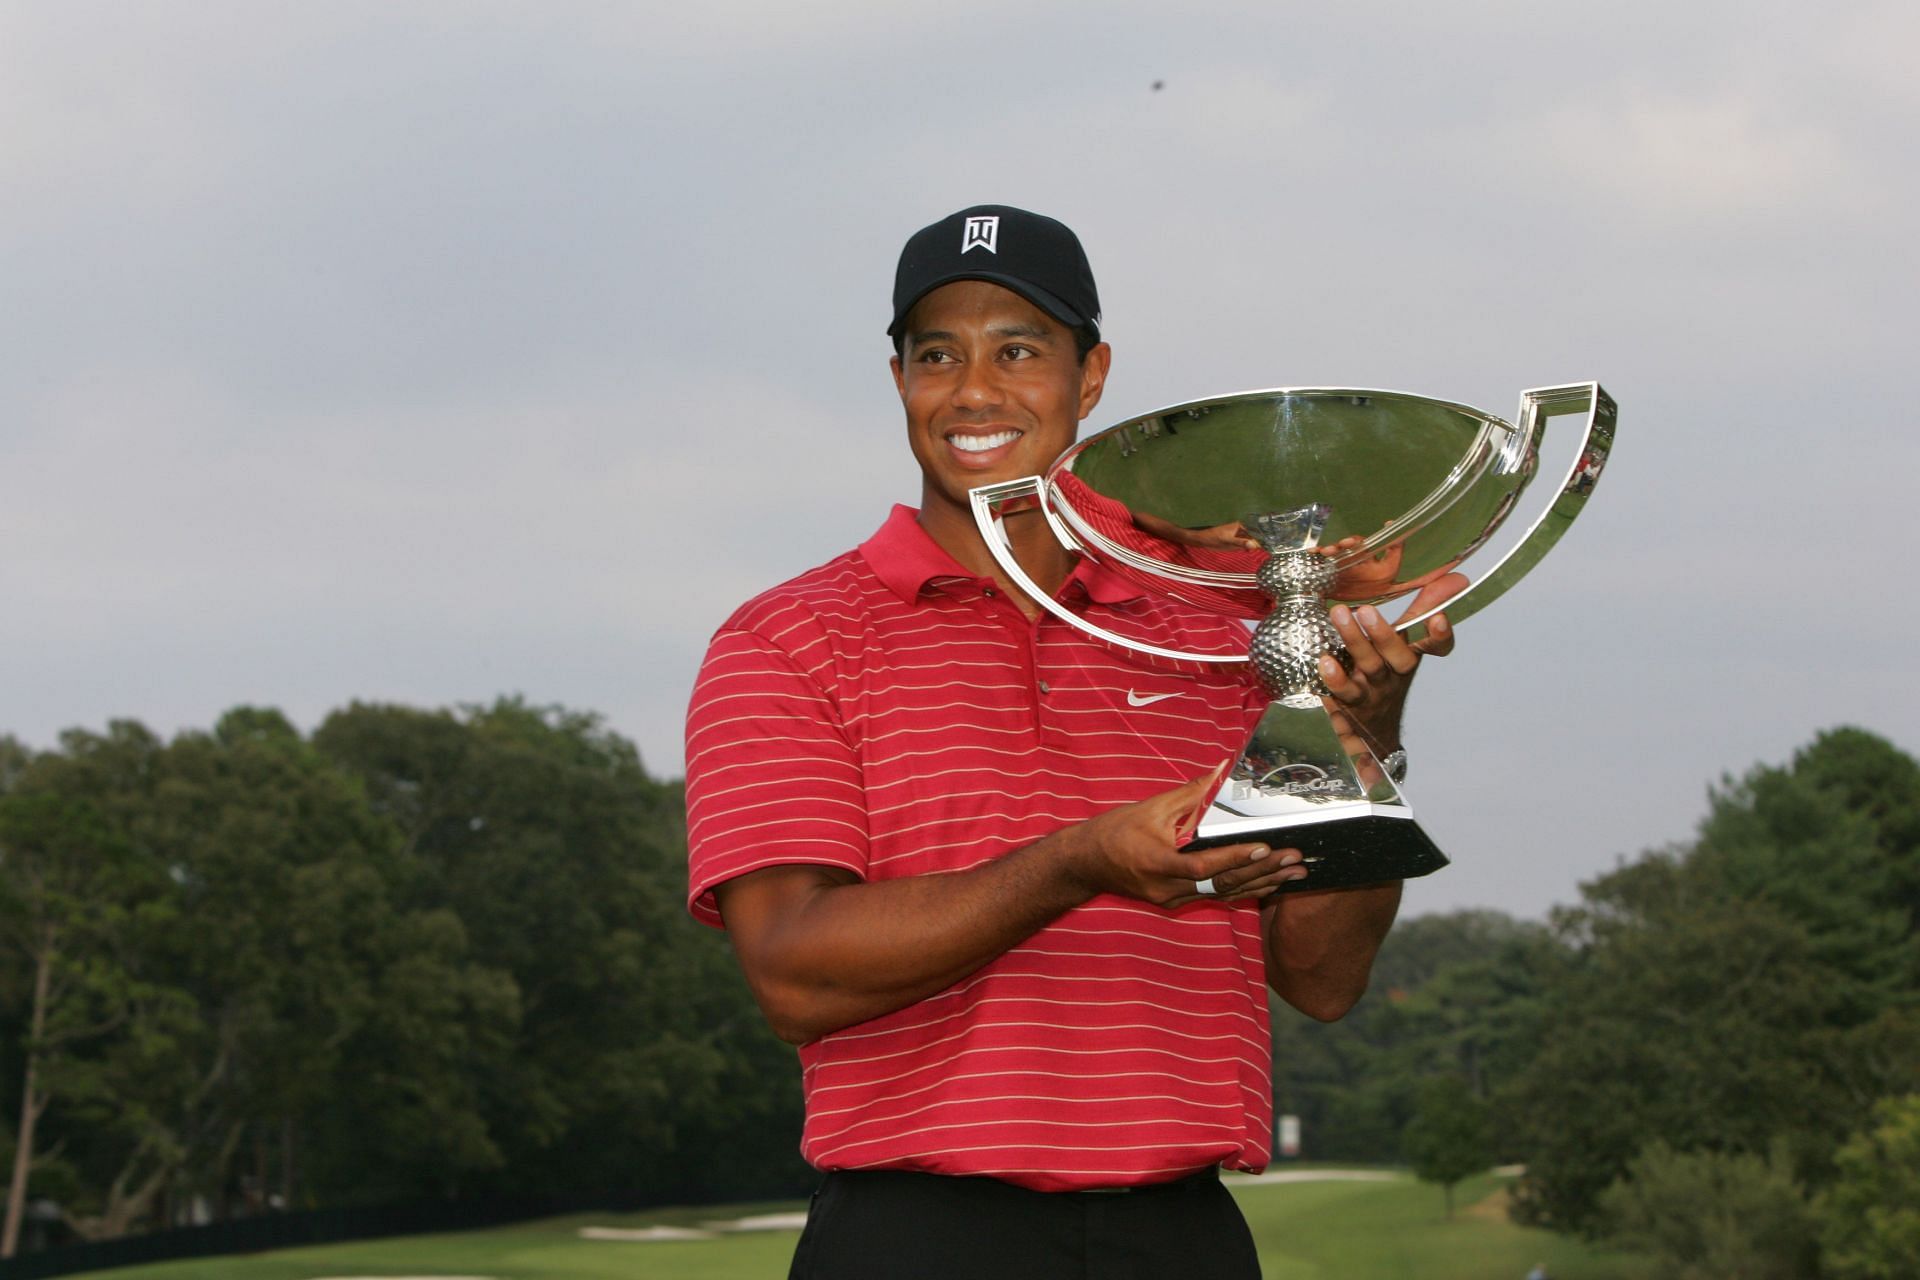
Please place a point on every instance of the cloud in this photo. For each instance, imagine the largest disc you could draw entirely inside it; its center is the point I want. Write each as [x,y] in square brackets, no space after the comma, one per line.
[428,351]
[1709,161]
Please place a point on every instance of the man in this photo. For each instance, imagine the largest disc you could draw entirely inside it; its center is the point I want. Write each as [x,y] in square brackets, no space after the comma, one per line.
[942,829]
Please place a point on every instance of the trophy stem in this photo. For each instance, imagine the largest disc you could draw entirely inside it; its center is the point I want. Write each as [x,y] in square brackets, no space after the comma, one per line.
[1289,641]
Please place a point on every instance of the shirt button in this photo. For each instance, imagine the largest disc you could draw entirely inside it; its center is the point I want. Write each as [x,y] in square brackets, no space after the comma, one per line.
[1045,687]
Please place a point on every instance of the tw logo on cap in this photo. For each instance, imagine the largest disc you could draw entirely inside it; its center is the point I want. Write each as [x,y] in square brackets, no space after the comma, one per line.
[982,233]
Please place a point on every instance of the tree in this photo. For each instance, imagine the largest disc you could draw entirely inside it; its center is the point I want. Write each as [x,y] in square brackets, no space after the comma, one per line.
[1449,1137]
[1454,994]
[1689,1017]
[71,895]
[424,952]
[1870,1217]
[1712,1215]
[1755,986]
[1833,840]
[639,1048]
[229,927]
[310,970]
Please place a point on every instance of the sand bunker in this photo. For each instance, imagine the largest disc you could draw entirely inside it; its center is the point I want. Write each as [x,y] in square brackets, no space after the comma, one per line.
[762,1222]
[643,1234]
[705,1231]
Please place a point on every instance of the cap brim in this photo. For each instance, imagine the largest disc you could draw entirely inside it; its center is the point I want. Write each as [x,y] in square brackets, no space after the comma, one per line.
[1039,297]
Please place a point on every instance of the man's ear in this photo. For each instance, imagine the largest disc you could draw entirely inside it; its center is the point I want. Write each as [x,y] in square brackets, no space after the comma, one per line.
[899,378]
[1093,377]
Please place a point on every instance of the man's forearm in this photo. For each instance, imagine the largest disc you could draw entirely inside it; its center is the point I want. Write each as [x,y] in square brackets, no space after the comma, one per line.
[822,950]
[823,953]
[1321,946]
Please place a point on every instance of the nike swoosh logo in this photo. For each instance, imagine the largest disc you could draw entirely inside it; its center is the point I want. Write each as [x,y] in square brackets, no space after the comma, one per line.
[1135,700]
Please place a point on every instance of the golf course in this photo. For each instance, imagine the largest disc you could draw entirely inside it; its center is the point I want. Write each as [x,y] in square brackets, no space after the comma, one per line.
[1310,1225]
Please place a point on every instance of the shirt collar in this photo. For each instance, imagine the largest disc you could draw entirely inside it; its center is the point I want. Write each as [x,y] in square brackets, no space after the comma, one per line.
[906,558]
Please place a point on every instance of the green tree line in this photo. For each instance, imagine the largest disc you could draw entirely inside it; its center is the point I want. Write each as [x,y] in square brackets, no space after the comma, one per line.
[414,954]
[1698,1059]
[444,953]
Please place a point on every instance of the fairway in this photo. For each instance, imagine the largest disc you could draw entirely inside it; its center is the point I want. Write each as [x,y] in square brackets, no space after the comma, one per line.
[1318,1230]
[1398,1231]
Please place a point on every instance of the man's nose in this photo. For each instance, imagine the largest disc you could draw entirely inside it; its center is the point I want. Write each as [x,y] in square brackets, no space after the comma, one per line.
[978,385]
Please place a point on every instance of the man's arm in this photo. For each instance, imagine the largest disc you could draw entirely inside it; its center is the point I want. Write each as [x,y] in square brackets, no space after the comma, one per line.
[823,950]
[1320,947]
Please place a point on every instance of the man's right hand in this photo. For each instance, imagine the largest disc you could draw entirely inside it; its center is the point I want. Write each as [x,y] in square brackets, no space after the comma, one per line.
[1134,851]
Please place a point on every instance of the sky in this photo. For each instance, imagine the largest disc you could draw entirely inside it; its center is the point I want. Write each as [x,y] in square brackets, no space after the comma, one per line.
[428,352]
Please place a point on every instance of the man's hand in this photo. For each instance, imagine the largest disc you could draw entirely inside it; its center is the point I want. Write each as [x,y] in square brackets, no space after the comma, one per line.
[1134,851]
[1367,703]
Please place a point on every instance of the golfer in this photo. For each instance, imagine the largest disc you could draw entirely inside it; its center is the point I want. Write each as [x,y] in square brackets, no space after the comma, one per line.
[942,829]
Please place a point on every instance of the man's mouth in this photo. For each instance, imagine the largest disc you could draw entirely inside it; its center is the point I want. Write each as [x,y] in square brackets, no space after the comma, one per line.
[980,444]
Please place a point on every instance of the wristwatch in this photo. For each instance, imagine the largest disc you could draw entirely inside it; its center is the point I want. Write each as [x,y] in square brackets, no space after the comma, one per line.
[1395,764]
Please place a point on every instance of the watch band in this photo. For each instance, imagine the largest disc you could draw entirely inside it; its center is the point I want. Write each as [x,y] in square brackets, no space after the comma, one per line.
[1395,764]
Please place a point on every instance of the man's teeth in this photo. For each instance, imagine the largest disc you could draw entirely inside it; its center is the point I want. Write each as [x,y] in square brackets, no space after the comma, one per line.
[980,444]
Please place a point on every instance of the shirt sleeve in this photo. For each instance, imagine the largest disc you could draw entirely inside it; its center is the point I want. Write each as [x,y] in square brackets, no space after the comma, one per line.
[772,779]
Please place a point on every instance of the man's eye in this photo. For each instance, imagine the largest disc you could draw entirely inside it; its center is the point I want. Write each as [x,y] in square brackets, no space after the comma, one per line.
[935,357]
[1020,353]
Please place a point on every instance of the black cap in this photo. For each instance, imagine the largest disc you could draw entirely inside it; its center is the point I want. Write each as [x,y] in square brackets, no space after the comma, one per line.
[1036,257]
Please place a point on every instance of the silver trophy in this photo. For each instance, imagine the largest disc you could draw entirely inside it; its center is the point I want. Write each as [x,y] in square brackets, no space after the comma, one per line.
[1352,496]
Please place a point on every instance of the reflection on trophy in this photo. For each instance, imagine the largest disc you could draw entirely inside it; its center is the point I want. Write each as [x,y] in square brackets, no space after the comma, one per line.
[1267,505]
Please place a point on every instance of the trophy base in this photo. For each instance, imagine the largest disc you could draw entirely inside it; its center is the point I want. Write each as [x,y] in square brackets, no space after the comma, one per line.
[1339,852]
[1296,787]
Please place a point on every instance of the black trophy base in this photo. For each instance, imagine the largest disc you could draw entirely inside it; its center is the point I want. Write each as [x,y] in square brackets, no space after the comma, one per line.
[1346,851]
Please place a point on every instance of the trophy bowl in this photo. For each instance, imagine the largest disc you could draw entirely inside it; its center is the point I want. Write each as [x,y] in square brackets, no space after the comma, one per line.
[1269,505]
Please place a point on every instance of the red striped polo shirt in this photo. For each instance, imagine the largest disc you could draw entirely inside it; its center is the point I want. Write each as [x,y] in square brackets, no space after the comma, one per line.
[891,714]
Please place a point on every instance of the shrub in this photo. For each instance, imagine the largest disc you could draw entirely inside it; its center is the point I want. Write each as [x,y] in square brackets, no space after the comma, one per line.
[1712,1215]
[1870,1217]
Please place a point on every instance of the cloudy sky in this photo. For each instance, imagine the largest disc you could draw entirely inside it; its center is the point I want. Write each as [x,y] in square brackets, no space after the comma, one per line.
[424,352]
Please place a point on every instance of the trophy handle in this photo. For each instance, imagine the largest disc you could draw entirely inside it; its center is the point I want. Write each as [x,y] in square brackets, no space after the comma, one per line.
[1536,407]
[987,500]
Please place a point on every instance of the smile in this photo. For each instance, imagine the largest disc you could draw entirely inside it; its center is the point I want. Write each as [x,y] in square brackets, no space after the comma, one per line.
[980,444]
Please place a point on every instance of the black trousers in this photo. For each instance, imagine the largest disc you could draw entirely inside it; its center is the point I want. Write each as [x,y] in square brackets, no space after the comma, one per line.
[883,1225]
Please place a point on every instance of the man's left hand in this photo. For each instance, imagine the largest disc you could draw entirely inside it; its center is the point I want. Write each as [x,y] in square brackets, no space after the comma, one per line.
[1368,701]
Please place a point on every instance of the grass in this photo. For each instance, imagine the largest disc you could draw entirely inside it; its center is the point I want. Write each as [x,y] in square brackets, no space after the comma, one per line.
[1399,1231]
[1306,1231]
